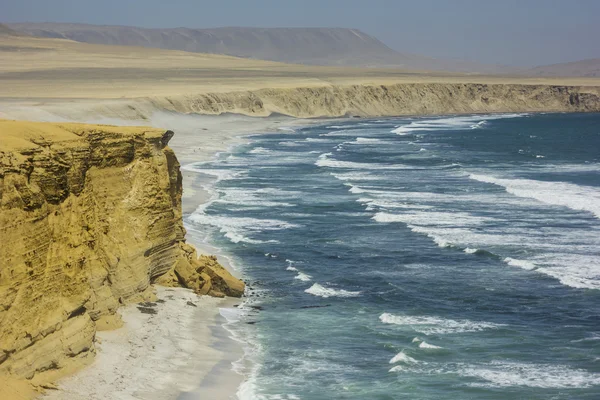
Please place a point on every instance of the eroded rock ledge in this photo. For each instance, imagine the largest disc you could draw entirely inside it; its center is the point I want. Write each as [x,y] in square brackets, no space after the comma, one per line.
[90,217]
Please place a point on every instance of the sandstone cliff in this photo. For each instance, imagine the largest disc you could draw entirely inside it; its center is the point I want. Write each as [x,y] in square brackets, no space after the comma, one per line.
[389,100]
[90,217]
[364,100]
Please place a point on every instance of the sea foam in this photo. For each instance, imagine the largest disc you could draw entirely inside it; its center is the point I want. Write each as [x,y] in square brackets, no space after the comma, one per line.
[321,291]
[449,124]
[404,358]
[436,325]
[575,197]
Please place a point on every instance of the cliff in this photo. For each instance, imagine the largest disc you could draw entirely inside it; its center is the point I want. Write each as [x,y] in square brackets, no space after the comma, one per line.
[388,100]
[90,217]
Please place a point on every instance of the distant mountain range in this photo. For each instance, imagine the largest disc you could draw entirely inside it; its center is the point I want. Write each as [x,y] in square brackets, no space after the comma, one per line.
[5,30]
[585,68]
[311,46]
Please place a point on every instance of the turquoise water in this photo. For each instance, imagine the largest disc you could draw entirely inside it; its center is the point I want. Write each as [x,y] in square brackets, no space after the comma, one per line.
[427,258]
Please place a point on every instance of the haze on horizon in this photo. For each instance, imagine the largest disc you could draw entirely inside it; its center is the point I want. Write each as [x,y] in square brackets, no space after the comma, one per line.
[511,32]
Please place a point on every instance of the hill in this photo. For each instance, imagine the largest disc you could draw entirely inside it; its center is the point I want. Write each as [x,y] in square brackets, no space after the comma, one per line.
[585,68]
[310,46]
[5,30]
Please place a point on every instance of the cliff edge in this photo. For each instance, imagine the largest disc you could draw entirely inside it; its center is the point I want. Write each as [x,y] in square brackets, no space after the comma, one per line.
[90,217]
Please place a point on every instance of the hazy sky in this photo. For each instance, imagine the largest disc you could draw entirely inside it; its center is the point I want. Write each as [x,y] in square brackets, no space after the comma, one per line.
[510,32]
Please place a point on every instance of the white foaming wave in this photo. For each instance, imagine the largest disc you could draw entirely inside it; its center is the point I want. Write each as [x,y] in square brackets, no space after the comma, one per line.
[343,132]
[432,218]
[289,144]
[404,358]
[267,197]
[513,262]
[321,291]
[547,376]
[290,264]
[303,277]
[220,174]
[504,374]
[425,345]
[357,176]
[234,228]
[588,167]
[325,161]
[397,368]
[316,140]
[260,150]
[362,140]
[575,270]
[355,189]
[436,325]
[286,129]
[575,197]
[581,271]
[453,123]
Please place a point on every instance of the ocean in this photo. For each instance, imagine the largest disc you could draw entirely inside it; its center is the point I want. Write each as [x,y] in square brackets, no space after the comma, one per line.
[453,257]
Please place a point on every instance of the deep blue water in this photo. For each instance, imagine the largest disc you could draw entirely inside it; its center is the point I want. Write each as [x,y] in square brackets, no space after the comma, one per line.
[426,258]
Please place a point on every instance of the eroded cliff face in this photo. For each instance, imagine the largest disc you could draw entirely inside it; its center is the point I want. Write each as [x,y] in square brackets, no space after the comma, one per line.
[90,217]
[384,100]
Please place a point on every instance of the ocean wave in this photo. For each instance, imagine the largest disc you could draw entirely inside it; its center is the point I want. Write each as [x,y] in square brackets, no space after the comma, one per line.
[554,258]
[321,291]
[575,197]
[236,228]
[452,123]
[289,144]
[357,176]
[432,218]
[342,133]
[260,150]
[403,358]
[265,197]
[316,140]
[362,140]
[436,325]
[513,262]
[325,160]
[506,374]
[303,277]
[220,174]
[427,346]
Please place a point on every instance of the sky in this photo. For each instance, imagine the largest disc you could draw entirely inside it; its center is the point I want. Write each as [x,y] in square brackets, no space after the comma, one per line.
[505,32]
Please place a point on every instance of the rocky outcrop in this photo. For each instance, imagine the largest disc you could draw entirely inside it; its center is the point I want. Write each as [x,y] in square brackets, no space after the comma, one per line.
[90,217]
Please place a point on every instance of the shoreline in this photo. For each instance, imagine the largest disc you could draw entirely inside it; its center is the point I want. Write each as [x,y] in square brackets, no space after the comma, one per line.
[198,139]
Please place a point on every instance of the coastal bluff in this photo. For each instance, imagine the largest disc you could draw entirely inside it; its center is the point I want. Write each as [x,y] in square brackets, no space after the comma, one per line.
[90,218]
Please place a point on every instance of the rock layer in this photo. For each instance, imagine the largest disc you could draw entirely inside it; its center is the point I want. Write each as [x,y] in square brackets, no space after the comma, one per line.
[90,217]
[389,100]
